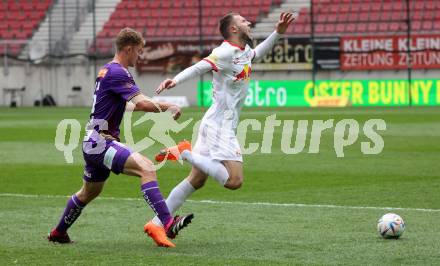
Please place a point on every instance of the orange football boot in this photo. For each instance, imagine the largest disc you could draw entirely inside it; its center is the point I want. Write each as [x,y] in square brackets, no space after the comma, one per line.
[158,234]
[173,153]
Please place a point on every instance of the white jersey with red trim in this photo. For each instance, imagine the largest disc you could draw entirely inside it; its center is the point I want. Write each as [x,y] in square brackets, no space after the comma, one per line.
[231,67]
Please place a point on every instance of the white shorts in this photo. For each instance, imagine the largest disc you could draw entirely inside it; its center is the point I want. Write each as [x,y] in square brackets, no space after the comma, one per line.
[217,144]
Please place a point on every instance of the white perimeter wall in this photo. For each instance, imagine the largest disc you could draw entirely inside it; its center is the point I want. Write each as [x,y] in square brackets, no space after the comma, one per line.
[58,81]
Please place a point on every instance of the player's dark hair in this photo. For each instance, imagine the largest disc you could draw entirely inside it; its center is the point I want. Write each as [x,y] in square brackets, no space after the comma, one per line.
[128,37]
[224,24]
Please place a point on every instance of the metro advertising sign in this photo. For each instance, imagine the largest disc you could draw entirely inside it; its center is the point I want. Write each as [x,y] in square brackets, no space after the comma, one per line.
[335,93]
[390,52]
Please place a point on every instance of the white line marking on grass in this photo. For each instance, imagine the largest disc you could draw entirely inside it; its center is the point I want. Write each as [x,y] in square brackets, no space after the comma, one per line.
[215,202]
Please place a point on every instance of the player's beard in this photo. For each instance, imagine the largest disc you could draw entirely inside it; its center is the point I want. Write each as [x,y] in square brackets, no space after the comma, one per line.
[247,39]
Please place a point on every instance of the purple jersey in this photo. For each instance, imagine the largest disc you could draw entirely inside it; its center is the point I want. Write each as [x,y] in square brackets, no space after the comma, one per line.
[113,88]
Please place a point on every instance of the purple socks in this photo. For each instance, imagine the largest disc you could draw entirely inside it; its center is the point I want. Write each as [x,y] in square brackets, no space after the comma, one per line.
[71,213]
[149,190]
[154,198]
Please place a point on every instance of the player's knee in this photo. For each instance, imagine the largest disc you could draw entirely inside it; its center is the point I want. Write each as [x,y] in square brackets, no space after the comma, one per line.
[146,169]
[234,182]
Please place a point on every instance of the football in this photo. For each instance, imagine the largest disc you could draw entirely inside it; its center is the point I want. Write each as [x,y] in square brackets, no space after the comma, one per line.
[391,226]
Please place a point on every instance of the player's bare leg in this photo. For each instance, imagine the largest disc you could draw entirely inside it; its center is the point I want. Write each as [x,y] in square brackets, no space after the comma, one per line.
[197,178]
[235,171]
[88,192]
[228,173]
[138,165]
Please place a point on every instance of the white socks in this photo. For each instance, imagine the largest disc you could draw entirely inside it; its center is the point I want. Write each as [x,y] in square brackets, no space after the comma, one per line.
[176,198]
[184,189]
[210,167]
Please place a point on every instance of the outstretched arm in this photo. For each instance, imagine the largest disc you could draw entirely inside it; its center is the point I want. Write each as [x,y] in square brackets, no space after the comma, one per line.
[143,103]
[263,48]
[191,72]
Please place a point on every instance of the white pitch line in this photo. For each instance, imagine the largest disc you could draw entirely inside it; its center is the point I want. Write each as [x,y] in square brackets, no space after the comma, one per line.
[269,204]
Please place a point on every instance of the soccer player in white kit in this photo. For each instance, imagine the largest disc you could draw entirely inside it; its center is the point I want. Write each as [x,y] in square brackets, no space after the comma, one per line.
[217,151]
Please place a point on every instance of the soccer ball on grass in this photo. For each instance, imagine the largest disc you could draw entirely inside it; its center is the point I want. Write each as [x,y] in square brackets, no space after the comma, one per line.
[391,225]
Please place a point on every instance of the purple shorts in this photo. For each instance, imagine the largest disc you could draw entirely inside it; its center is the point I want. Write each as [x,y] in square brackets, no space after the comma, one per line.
[110,156]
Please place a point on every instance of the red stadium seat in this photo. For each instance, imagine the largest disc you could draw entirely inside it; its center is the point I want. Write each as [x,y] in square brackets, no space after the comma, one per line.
[13,6]
[372,27]
[416,25]
[427,15]
[334,8]
[7,35]
[394,26]
[365,7]
[163,23]
[332,18]
[22,35]
[320,19]
[297,29]
[192,31]
[403,26]
[355,7]
[14,49]
[149,32]
[344,8]
[319,28]
[436,25]
[209,31]
[354,17]
[430,5]
[3,27]
[41,6]
[152,23]
[350,27]
[307,29]
[364,17]
[329,28]
[343,17]
[340,27]
[383,27]
[375,16]
[375,6]
[427,25]
[191,3]
[178,22]
[387,6]
[165,4]
[179,31]
[362,27]
[28,26]
[192,22]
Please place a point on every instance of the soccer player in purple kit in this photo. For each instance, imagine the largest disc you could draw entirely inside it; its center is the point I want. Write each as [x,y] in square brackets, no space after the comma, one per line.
[114,90]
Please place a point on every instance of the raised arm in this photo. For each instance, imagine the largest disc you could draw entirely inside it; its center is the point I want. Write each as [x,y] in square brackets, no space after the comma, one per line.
[263,48]
[190,72]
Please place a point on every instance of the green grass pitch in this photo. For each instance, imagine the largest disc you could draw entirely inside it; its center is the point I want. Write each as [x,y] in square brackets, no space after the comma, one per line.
[292,209]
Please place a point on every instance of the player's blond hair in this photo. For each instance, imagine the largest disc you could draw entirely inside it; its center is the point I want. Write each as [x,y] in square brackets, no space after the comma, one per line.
[128,37]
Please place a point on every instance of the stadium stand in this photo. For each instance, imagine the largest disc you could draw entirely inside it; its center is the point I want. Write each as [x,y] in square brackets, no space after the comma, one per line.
[368,17]
[176,19]
[18,21]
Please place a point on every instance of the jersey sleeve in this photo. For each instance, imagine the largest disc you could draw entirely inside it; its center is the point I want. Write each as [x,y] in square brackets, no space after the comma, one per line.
[220,58]
[121,83]
[263,48]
